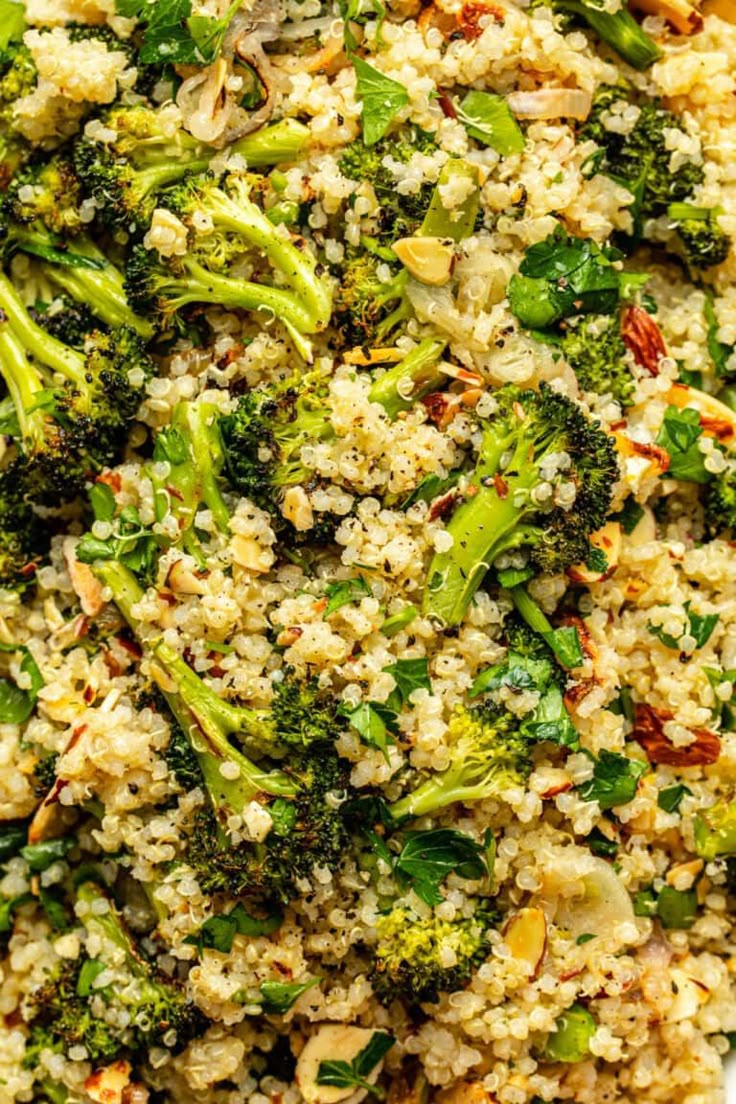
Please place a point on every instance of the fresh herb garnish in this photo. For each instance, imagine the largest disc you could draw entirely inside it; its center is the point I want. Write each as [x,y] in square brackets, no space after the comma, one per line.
[343,593]
[669,799]
[352,1075]
[381,99]
[279,996]
[398,621]
[614,781]
[678,436]
[489,119]
[428,857]
[409,675]
[172,35]
[17,703]
[218,932]
[700,628]
[375,722]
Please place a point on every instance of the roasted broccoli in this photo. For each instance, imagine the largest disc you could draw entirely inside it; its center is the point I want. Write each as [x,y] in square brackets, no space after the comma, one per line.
[305,827]
[47,192]
[412,953]
[416,375]
[24,536]
[720,500]
[542,482]
[67,430]
[18,76]
[113,1002]
[640,158]
[618,29]
[704,243]
[400,213]
[488,755]
[125,173]
[303,306]
[595,350]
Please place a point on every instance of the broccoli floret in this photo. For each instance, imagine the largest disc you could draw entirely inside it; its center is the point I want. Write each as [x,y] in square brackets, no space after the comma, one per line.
[47,192]
[640,159]
[44,774]
[704,243]
[18,75]
[66,320]
[304,306]
[720,500]
[488,755]
[518,457]
[66,430]
[24,537]
[124,175]
[411,955]
[595,350]
[139,1008]
[400,214]
[264,435]
[618,29]
[306,827]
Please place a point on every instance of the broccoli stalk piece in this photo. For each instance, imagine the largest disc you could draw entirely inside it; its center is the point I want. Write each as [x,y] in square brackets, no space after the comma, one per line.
[618,29]
[124,175]
[66,431]
[264,436]
[640,160]
[410,961]
[704,243]
[533,443]
[80,269]
[596,352]
[415,376]
[304,306]
[306,828]
[370,307]
[488,755]
[153,1009]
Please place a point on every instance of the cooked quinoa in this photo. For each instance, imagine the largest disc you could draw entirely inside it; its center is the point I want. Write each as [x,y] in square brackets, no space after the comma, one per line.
[489,854]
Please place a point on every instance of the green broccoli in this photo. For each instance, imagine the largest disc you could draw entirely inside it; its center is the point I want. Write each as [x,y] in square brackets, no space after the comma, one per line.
[411,954]
[595,350]
[66,430]
[18,77]
[67,320]
[415,376]
[125,174]
[116,1002]
[533,445]
[304,306]
[618,29]
[306,827]
[720,500]
[640,159]
[48,192]
[400,214]
[24,536]
[704,243]
[488,755]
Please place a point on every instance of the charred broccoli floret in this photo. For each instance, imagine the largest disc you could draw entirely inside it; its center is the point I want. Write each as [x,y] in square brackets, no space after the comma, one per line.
[66,320]
[533,444]
[400,214]
[66,430]
[595,350]
[18,76]
[125,174]
[411,955]
[640,159]
[305,828]
[720,500]
[47,192]
[488,755]
[618,29]
[704,243]
[23,535]
[136,1008]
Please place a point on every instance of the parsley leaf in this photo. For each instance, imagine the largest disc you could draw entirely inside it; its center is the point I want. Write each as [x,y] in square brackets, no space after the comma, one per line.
[381,99]
[279,996]
[218,932]
[12,22]
[12,838]
[679,436]
[614,781]
[629,516]
[359,11]
[551,721]
[17,704]
[700,628]
[409,675]
[343,593]
[719,353]
[349,1075]
[669,799]
[375,723]
[40,856]
[172,35]
[428,857]
[601,845]
[722,709]
[489,119]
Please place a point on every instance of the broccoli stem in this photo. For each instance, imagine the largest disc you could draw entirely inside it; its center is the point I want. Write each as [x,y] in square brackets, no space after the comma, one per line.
[45,348]
[410,380]
[283,141]
[456,222]
[620,30]
[23,383]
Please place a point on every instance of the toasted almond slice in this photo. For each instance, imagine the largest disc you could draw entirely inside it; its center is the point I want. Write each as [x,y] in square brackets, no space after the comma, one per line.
[716,419]
[676,875]
[106,1086]
[690,994]
[430,260]
[679,13]
[526,937]
[86,586]
[465,1092]
[183,580]
[297,509]
[332,1041]
[645,530]
[608,540]
[724,9]
[248,553]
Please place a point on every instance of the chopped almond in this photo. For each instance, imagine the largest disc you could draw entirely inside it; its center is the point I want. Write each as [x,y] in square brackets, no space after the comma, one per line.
[649,725]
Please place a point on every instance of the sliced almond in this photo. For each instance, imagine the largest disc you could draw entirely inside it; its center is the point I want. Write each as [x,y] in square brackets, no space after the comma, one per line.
[716,419]
[106,1086]
[724,9]
[183,580]
[86,586]
[248,553]
[679,13]
[297,509]
[645,530]
[526,937]
[608,540]
[329,1042]
[429,260]
[682,875]
[368,357]
[689,995]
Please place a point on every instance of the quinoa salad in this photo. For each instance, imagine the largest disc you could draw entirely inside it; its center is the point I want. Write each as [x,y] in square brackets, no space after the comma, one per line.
[367,563]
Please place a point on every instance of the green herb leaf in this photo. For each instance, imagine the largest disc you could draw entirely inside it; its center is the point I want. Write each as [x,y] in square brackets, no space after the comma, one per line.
[677,908]
[8,907]
[550,721]
[12,838]
[409,675]
[629,516]
[565,643]
[17,704]
[40,856]
[679,436]
[614,781]
[172,35]
[360,11]
[342,593]
[601,845]
[398,621]
[700,628]
[102,501]
[52,903]
[428,857]
[724,710]
[348,1075]
[584,938]
[719,353]
[669,799]
[375,723]
[218,932]
[381,99]
[12,23]
[279,996]
[489,119]
[645,902]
